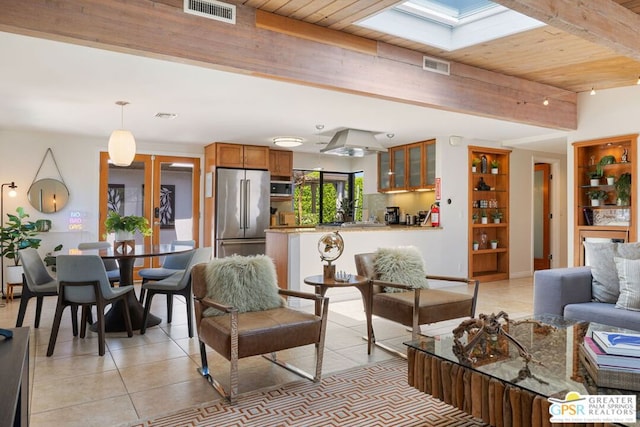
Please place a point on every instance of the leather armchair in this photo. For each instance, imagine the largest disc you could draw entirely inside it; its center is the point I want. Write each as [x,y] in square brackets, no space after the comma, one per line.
[414,306]
[237,335]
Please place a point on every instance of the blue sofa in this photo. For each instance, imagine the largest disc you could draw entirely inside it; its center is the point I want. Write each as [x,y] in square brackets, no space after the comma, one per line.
[567,292]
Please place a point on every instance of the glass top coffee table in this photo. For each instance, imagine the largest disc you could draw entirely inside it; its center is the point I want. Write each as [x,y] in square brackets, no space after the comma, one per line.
[555,368]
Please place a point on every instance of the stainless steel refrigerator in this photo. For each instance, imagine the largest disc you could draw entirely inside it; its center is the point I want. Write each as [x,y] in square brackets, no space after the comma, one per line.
[242,211]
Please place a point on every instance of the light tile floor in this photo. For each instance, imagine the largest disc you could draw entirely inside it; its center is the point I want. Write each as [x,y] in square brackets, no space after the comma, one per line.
[153,374]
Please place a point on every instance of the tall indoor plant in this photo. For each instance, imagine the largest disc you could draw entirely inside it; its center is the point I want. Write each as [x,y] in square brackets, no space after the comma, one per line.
[124,226]
[16,234]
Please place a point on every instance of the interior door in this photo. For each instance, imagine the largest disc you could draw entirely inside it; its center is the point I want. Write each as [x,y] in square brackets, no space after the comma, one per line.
[541,216]
[163,189]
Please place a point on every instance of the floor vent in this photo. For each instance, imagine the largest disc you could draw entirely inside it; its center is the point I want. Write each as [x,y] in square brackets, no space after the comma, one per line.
[211,9]
[435,65]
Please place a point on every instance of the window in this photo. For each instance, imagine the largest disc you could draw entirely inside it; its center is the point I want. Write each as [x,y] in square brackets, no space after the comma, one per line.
[327,197]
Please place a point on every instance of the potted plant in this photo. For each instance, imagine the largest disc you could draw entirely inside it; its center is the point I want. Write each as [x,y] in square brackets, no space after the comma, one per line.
[50,258]
[125,226]
[596,196]
[474,217]
[610,179]
[605,160]
[476,245]
[594,178]
[474,164]
[483,217]
[497,216]
[494,244]
[494,166]
[17,234]
[623,189]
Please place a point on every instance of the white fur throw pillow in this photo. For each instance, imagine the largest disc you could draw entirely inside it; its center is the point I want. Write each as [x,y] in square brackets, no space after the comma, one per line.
[403,264]
[246,283]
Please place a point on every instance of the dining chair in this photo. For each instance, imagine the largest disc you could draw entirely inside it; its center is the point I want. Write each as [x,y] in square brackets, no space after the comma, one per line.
[83,281]
[174,263]
[37,283]
[176,284]
[111,265]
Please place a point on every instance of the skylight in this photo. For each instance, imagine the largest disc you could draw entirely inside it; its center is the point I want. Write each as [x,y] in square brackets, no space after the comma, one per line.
[449,24]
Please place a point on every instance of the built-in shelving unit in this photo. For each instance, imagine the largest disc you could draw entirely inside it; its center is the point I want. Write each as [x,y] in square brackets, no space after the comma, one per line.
[488,199]
[613,216]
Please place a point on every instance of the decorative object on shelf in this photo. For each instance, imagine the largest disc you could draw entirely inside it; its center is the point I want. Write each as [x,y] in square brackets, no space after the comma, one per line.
[476,245]
[474,164]
[483,217]
[486,341]
[122,144]
[342,276]
[48,195]
[497,216]
[330,247]
[494,166]
[16,234]
[625,156]
[483,164]
[494,244]
[483,240]
[623,189]
[596,196]
[482,186]
[610,179]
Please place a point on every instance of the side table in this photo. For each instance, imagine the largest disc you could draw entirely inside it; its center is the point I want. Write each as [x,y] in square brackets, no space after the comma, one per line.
[362,283]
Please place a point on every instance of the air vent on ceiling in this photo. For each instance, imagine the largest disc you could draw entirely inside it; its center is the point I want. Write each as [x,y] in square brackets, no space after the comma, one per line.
[211,9]
[435,65]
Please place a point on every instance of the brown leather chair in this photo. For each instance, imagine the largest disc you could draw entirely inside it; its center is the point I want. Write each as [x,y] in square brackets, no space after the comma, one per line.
[416,306]
[236,335]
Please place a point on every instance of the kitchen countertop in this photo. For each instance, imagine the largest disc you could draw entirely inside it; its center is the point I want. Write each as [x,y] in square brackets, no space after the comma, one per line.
[326,228]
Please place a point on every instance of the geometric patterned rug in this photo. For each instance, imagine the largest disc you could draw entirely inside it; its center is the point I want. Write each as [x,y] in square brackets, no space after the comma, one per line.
[371,395]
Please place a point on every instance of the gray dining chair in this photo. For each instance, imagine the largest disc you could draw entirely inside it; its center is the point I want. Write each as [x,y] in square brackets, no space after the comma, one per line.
[83,281]
[37,283]
[174,263]
[111,265]
[176,284]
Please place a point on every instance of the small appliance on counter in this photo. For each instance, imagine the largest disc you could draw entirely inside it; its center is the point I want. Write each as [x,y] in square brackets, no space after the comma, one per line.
[392,216]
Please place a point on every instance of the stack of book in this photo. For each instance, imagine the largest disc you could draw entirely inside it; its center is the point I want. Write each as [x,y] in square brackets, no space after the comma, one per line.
[612,359]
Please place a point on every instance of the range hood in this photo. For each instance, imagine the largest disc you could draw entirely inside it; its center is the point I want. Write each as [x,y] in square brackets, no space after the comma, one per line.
[353,143]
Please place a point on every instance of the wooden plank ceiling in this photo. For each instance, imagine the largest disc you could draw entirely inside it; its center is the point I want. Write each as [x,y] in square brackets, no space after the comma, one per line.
[546,55]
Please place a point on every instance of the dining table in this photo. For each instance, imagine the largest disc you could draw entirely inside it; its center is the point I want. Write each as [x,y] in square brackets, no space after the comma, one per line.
[114,320]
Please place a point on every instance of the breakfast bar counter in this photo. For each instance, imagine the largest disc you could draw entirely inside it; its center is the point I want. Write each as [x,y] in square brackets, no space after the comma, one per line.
[295,251]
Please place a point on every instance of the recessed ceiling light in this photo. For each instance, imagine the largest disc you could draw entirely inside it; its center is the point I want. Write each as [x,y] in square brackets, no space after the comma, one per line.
[545,102]
[593,91]
[169,116]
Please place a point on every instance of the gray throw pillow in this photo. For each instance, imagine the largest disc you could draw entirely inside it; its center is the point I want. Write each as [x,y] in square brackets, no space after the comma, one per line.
[400,265]
[600,256]
[246,283]
[629,277]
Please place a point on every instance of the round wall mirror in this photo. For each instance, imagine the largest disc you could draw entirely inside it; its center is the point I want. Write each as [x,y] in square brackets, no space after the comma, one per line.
[48,195]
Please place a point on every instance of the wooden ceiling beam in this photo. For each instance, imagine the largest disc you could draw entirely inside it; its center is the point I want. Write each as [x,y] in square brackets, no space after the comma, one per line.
[603,22]
[161,29]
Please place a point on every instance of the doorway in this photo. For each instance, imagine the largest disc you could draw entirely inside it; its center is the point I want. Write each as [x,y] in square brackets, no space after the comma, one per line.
[541,217]
[163,189]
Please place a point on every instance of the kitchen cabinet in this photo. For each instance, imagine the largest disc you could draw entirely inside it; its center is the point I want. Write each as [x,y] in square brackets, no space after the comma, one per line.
[612,213]
[488,214]
[407,167]
[281,164]
[242,156]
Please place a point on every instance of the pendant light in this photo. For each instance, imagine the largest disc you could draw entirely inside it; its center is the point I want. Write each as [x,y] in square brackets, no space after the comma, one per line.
[122,145]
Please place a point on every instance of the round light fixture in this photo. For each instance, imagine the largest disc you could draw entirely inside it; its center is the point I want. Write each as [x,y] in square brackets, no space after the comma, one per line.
[287,141]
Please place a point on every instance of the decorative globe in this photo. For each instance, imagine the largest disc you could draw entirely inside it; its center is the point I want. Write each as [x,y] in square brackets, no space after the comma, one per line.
[330,247]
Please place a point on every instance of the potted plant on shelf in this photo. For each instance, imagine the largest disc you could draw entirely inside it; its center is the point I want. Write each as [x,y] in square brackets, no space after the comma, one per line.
[476,245]
[483,217]
[605,160]
[125,226]
[494,244]
[474,217]
[494,166]
[17,234]
[474,164]
[497,216]
[596,196]
[623,189]
[594,177]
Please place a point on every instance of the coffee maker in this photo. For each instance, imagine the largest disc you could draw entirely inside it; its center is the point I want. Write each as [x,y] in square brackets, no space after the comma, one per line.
[392,216]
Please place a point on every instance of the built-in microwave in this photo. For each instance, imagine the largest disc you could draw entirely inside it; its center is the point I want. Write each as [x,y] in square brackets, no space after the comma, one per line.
[281,189]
